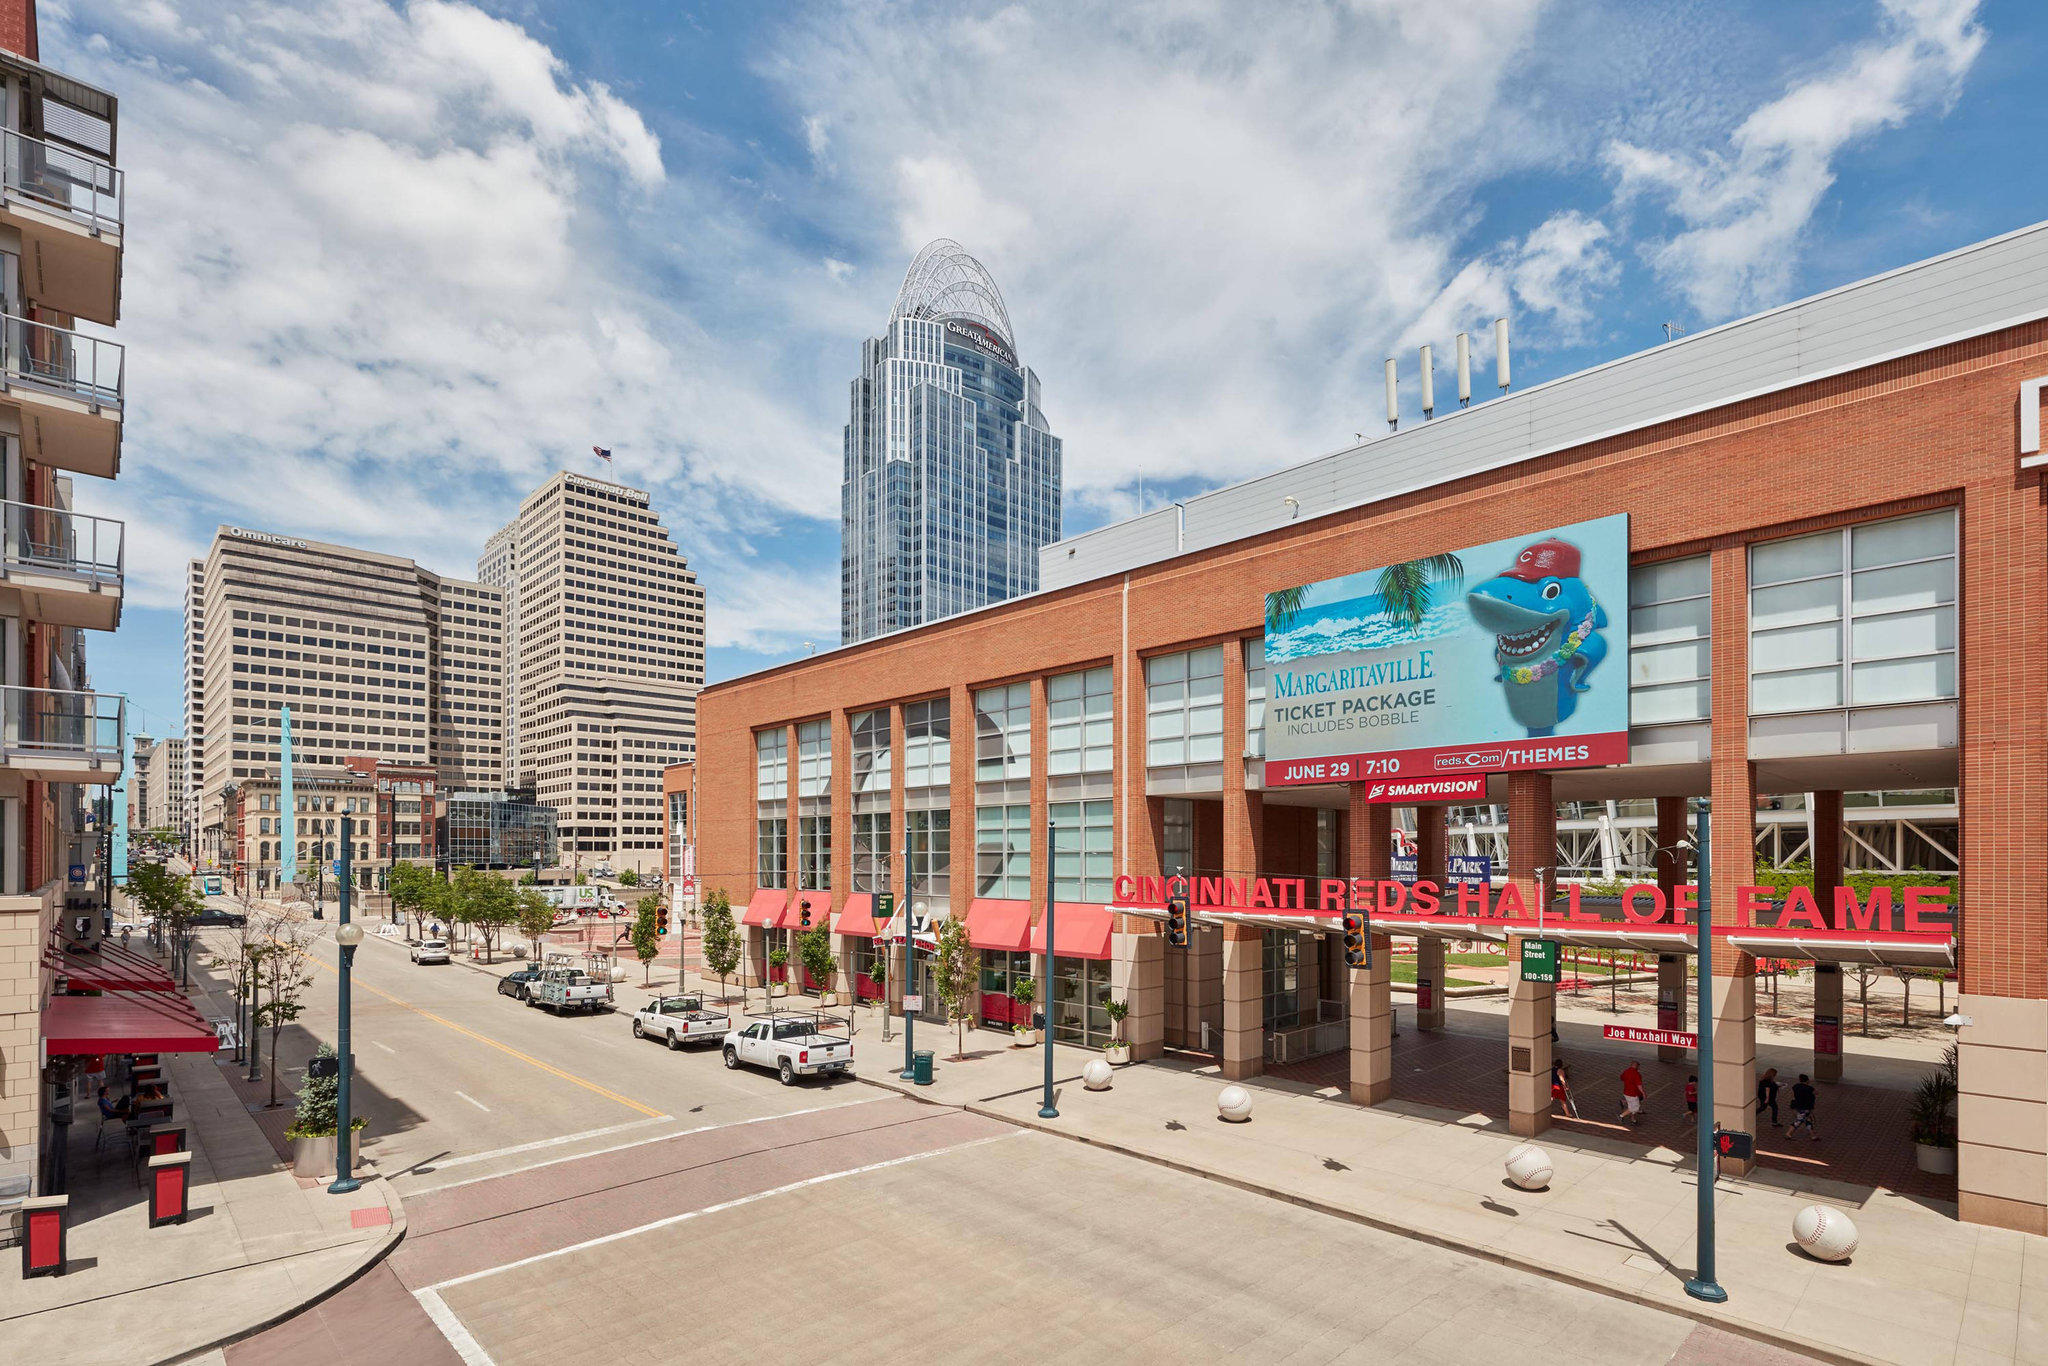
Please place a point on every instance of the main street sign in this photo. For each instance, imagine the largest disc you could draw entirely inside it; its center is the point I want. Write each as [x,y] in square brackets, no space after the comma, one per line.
[1539,960]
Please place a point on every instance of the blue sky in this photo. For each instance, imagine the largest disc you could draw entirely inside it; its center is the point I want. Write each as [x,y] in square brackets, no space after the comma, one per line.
[390,264]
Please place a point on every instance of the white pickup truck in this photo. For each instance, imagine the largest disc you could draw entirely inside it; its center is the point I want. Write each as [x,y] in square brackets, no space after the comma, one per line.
[793,1045]
[677,1020]
[562,990]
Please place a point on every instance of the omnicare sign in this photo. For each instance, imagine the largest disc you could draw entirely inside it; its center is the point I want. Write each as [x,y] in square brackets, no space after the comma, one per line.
[1480,660]
[1924,911]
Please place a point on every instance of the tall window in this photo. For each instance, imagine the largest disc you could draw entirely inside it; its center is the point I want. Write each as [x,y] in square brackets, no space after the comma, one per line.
[1857,617]
[928,743]
[1670,629]
[1184,708]
[870,851]
[1080,729]
[814,853]
[1326,843]
[1177,855]
[771,764]
[1083,850]
[814,759]
[772,852]
[927,845]
[1002,852]
[1281,960]
[1002,733]
[1255,697]
[871,751]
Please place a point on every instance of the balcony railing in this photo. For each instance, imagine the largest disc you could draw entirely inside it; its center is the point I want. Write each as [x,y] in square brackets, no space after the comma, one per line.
[53,541]
[62,361]
[78,186]
[56,723]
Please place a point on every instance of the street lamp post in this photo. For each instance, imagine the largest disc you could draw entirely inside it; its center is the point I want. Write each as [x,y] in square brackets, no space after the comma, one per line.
[347,934]
[909,1072]
[1046,1109]
[1703,1286]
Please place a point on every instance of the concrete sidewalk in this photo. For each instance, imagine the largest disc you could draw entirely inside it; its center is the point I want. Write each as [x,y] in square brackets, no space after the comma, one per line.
[258,1246]
[1617,1217]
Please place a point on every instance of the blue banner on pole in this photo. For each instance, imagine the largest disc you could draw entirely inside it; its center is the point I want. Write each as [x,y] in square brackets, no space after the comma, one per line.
[1476,869]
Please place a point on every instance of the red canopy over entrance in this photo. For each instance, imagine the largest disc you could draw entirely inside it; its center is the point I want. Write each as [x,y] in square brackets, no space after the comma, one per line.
[994,924]
[859,916]
[1083,931]
[125,1022]
[766,908]
[112,968]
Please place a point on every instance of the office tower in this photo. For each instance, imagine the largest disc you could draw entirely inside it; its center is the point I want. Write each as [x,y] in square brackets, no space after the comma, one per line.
[604,657]
[195,704]
[374,655]
[952,478]
[161,777]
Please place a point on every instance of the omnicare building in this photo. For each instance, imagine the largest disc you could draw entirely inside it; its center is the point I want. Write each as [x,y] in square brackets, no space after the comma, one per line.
[1790,561]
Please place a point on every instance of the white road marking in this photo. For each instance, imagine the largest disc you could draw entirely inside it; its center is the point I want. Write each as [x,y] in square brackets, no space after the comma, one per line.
[614,1148]
[556,1141]
[474,1101]
[386,1047]
[688,1215]
[466,1346]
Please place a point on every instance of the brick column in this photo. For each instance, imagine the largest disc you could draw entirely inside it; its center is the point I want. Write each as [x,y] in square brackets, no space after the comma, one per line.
[1532,1006]
[1734,848]
[1432,846]
[1824,811]
[842,846]
[1137,977]
[1369,855]
[1674,980]
[1244,1028]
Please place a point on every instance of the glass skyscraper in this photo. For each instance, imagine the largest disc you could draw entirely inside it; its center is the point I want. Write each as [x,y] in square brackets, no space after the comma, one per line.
[952,479]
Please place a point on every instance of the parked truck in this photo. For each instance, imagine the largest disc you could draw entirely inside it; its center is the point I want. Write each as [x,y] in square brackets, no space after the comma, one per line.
[792,1046]
[677,1020]
[565,989]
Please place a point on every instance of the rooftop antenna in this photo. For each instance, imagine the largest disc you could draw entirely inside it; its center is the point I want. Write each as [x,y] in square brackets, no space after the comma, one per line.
[1464,371]
[1393,398]
[1673,330]
[1500,350]
[1428,385]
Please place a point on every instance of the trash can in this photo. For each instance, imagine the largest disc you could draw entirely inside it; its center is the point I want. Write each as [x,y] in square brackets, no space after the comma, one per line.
[921,1068]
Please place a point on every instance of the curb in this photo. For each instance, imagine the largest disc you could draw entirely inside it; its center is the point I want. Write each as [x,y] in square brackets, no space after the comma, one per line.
[378,1252]
[1740,1327]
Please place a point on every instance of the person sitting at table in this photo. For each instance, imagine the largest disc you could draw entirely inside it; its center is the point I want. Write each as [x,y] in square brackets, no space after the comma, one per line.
[114,1109]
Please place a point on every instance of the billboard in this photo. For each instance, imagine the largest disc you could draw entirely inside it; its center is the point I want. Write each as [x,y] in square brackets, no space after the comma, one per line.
[1507,655]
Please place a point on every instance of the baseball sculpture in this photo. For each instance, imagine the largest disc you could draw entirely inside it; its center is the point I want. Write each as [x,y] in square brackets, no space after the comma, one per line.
[1234,1103]
[1824,1233]
[1096,1075]
[1529,1167]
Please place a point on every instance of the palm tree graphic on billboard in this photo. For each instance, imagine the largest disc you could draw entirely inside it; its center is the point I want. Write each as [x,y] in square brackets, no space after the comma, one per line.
[1406,592]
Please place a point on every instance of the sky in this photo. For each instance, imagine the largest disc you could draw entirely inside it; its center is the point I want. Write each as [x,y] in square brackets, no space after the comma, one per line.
[391,264]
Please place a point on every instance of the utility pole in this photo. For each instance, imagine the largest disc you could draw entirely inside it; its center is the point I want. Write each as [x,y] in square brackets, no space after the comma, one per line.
[1703,1286]
[1046,1109]
[347,935]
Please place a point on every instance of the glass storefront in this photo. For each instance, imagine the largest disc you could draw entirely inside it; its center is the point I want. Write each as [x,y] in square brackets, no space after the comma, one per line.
[1002,969]
[1079,999]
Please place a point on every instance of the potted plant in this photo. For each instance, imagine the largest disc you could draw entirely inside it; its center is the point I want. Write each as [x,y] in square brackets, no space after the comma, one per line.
[312,1128]
[1023,991]
[1119,1051]
[1934,1123]
[778,972]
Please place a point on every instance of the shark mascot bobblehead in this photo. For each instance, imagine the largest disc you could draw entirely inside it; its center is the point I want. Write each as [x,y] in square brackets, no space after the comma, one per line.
[1546,627]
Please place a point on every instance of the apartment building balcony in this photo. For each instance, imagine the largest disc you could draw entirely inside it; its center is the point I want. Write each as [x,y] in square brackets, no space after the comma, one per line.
[60,567]
[54,735]
[68,388]
[67,206]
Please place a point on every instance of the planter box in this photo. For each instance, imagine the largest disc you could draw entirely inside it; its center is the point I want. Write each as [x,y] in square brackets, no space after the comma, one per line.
[315,1156]
[1117,1055]
[1024,1037]
[1935,1161]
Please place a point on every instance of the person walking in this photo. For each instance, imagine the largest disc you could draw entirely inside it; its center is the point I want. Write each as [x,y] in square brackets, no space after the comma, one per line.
[1802,1109]
[1767,1095]
[1632,1095]
[1692,1094]
[1561,1088]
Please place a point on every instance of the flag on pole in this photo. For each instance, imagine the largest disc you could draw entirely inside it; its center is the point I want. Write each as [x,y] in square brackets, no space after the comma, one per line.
[603,453]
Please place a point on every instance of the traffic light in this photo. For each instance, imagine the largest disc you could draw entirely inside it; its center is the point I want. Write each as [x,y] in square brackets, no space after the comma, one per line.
[661,920]
[1177,921]
[1356,953]
[804,910]
[1734,1145]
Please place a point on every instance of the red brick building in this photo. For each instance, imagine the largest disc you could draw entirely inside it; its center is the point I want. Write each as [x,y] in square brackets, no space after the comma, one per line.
[1838,551]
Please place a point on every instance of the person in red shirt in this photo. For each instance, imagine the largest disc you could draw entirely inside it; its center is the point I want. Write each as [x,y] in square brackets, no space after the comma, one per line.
[1632,1094]
[1692,1095]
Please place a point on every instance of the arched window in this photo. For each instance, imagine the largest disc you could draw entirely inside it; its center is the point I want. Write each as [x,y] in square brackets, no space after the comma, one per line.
[263,852]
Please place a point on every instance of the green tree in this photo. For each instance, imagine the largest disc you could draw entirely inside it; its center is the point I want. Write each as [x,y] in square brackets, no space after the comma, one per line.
[536,916]
[628,878]
[814,952]
[410,886]
[721,940]
[487,905]
[956,969]
[647,934]
[283,972]
[173,900]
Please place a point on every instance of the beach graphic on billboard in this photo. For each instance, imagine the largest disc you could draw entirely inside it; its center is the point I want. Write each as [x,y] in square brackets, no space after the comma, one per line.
[1508,655]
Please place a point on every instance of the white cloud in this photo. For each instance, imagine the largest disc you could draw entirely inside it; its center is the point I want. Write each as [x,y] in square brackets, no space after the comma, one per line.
[1744,208]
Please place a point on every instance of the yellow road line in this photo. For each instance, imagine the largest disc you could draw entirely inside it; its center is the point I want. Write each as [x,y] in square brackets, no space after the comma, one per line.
[505,1048]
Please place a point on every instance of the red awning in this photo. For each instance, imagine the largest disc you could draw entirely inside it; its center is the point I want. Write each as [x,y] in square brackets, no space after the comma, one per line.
[792,917]
[113,968]
[858,916]
[1083,931]
[993,924]
[125,1022]
[766,908]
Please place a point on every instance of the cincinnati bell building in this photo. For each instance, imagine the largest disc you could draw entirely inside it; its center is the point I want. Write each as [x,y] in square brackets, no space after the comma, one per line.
[952,478]
[1786,573]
